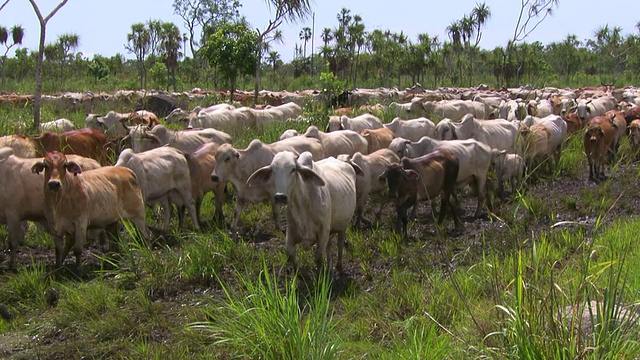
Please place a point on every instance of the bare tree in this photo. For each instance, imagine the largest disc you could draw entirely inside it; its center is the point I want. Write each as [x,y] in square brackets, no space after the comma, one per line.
[43,32]
[284,10]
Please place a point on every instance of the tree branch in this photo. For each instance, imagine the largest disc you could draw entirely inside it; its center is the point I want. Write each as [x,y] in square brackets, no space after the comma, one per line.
[4,4]
[54,11]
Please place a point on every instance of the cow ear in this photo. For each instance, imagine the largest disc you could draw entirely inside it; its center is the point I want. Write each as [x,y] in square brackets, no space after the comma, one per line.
[411,174]
[310,176]
[38,167]
[73,167]
[260,177]
[356,168]
[383,176]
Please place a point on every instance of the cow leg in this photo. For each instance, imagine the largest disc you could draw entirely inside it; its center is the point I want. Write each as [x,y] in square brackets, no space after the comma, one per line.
[16,237]
[113,237]
[342,239]
[323,247]
[236,218]
[481,183]
[275,213]
[191,207]
[166,212]
[219,193]
[60,250]
[291,250]
[78,243]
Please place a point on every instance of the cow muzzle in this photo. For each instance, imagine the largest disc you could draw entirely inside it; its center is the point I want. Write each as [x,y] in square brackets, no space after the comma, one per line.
[280,198]
[215,178]
[54,185]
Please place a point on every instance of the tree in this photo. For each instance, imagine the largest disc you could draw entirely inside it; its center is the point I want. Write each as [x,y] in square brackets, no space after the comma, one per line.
[17,34]
[138,43]
[532,14]
[170,45]
[274,58]
[200,13]
[305,35]
[43,32]
[232,48]
[283,10]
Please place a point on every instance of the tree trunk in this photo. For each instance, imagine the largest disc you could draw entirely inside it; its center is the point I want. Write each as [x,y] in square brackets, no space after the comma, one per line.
[37,96]
[256,88]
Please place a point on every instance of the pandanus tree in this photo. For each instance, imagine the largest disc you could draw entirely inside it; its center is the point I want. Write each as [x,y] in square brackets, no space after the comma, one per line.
[17,34]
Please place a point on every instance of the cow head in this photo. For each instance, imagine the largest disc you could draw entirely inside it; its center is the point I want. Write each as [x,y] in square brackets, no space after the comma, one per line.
[399,180]
[226,161]
[594,134]
[55,167]
[286,173]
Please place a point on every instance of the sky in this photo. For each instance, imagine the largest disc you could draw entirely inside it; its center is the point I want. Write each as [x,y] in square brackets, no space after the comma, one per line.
[103,25]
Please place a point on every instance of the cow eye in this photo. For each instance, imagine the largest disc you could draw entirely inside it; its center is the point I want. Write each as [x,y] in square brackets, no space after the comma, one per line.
[227,159]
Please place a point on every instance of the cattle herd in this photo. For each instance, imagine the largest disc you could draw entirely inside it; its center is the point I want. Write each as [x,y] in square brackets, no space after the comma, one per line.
[64,179]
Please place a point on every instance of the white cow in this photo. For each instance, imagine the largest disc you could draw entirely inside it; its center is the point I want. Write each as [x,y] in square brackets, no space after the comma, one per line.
[232,121]
[372,165]
[235,166]
[474,158]
[110,124]
[498,133]
[320,201]
[413,129]
[60,125]
[588,109]
[508,167]
[22,146]
[357,124]
[143,139]
[339,142]
[160,172]
[454,109]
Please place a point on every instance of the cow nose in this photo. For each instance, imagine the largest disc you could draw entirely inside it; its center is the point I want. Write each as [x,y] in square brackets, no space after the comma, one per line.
[280,198]
[54,185]
[189,127]
[215,178]
[592,140]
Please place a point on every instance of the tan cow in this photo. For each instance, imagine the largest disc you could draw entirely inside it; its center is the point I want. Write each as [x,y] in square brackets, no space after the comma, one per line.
[76,201]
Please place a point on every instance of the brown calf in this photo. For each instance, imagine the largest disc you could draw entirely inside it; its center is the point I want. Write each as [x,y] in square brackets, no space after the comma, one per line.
[86,142]
[598,145]
[423,178]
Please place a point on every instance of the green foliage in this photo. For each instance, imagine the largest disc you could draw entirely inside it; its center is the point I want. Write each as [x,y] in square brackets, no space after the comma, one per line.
[232,48]
[158,74]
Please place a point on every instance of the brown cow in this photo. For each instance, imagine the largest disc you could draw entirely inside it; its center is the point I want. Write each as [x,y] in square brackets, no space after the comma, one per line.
[574,124]
[620,125]
[536,146]
[377,138]
[141,117]
[423,178]
[598,145]
[86,142]
[76,200]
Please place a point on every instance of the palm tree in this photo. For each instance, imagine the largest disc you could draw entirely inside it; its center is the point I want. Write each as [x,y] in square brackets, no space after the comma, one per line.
[274,57]
[481,13]
[17,34]
[170,45]
[139,41]
[305,35]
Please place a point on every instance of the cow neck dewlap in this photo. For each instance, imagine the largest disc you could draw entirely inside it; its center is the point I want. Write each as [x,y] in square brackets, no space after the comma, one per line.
[307,208]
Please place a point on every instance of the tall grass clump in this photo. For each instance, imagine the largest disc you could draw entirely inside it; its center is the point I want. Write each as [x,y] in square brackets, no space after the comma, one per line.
[567,308]
[264,320]
[26,289]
